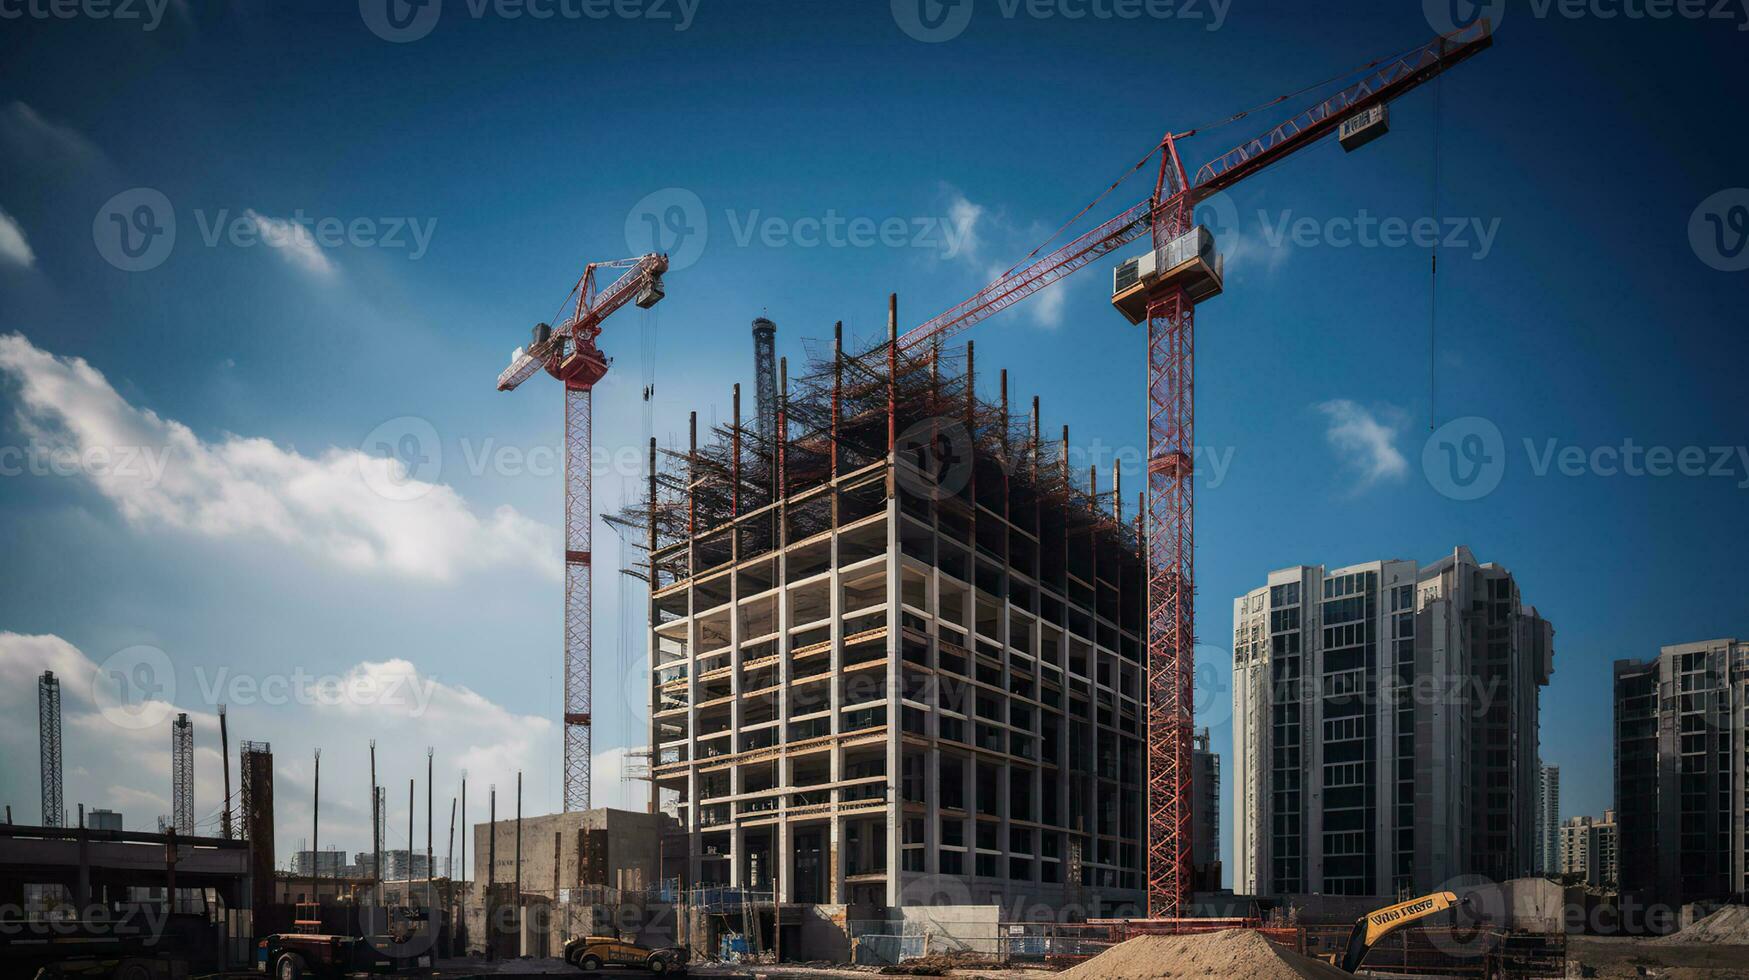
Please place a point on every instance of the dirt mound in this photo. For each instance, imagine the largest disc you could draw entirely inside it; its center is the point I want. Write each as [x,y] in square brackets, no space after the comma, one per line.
[1229,953]
[1727,927]
[938,964]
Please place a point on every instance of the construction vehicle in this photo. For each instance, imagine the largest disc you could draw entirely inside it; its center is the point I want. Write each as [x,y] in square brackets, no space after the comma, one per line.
[296,955]
[310,952]
[591,953]
[1374,926]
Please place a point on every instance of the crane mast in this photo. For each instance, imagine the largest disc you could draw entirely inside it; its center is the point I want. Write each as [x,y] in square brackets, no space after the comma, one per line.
[1184,272]
[569,354]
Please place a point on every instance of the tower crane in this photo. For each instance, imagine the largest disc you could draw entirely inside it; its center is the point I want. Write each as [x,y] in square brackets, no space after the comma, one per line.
[1163,287]
[568,353]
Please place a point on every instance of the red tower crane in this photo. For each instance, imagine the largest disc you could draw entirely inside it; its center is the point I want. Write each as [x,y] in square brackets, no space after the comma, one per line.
[1163,287]
[568,353]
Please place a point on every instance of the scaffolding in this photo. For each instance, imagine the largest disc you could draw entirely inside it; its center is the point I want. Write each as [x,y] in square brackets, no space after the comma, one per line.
[48,718]
[182,774]
[887,430]
[843,412]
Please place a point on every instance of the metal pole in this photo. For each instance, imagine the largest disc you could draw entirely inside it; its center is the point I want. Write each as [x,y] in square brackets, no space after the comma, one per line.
[409,895]
[430,896]
[225,753]
[519,840]
[892,372]
[449,903]
[376,826]
[491,870]
[316,834]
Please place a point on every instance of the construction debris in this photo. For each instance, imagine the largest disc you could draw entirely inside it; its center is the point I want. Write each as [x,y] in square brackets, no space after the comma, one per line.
[1728,926]
[940,964]
[1228,953]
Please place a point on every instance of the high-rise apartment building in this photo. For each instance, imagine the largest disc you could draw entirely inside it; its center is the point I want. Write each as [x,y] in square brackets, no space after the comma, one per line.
[1547,859]
[1385,727]
[328,864]
[1589,849]
[1681,756]
[1205,814]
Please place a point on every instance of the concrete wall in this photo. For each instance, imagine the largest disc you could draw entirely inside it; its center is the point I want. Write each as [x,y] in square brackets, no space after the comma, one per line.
[558,842]
[824,933]
[954,928]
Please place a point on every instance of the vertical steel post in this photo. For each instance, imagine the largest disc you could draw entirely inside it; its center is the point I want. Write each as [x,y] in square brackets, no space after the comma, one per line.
[225,754]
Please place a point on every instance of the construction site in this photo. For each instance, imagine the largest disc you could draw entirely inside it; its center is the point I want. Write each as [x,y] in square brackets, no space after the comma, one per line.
[919,700]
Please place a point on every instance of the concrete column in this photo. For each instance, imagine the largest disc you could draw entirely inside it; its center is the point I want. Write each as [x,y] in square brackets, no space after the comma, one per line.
[695,843]
[835,890]
[895,809]
[932,763]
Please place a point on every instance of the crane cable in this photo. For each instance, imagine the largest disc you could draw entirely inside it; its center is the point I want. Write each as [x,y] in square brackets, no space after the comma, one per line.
[1242,113]
[1433,267]
[1208,127]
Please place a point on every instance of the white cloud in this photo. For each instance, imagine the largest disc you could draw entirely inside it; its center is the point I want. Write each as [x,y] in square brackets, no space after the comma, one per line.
[293,242]
[1047,307]
[128,769]
[26,137]
[608,786]
[14,249]
[161,475]
[963,217]
[1366,442]
[976,228]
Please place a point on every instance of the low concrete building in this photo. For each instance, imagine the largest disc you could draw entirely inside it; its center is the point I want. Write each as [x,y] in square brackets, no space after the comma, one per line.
[587,871]
[618,849]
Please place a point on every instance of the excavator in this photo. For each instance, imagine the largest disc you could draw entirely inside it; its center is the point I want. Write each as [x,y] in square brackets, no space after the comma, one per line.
[1374,926]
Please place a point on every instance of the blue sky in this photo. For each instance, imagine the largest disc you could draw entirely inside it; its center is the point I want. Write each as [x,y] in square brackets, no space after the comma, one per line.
[1574,306]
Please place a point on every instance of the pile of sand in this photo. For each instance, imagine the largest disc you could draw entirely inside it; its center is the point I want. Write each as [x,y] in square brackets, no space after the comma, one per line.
[1728,926]
[1229,953]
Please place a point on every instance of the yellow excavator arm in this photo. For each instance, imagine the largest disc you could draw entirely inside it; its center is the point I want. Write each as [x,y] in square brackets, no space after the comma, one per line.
[1377,925]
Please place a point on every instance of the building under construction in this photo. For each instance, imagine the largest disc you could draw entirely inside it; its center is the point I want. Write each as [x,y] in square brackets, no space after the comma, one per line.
[896,647]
